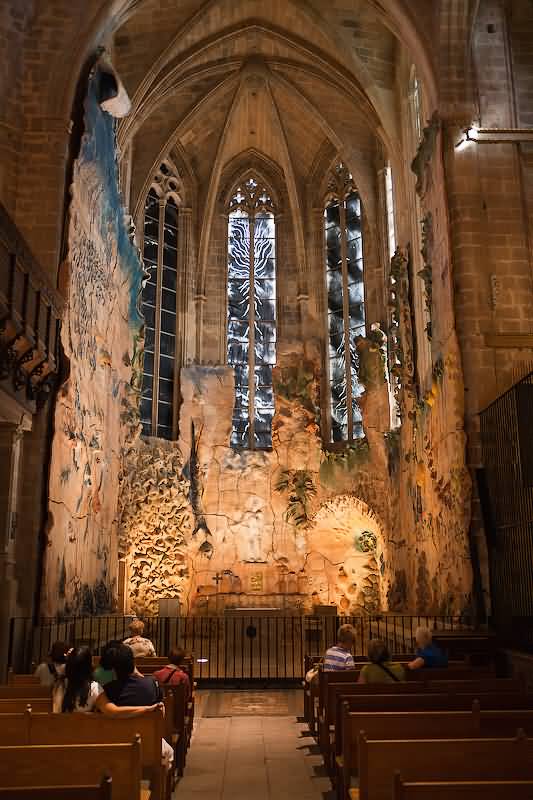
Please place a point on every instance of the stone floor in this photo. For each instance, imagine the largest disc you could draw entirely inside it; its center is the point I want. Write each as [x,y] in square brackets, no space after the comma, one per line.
[252,758]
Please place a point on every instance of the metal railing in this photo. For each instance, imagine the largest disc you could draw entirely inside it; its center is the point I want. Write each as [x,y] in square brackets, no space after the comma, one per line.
[251,647]
[506,493]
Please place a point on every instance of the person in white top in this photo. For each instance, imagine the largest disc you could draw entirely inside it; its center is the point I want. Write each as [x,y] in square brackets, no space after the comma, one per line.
[49,671]
[142,648]
[77,692]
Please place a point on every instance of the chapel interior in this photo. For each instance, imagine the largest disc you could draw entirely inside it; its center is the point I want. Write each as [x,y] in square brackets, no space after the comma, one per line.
[266,333]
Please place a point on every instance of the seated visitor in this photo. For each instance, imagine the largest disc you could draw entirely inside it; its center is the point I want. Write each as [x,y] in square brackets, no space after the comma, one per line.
[104,672]
[142,648]
[381,669]
[78,691]
[428,655]
[172,674]
[131,694]
[339,656]
[49,671]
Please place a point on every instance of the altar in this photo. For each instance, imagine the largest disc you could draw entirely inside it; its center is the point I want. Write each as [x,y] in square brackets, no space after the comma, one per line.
[242,604]
[252,612]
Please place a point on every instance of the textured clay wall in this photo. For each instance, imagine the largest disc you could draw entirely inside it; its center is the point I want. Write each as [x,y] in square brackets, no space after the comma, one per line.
[94,418]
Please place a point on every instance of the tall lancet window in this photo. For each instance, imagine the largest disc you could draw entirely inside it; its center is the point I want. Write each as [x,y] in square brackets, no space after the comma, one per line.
[251,340]
[345,303]
[159,309]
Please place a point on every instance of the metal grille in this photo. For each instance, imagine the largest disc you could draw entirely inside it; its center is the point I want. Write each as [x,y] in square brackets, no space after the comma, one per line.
[246,648]
[506,492]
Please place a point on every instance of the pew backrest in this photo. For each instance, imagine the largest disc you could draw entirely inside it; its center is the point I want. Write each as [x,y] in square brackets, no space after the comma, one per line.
[402,725]
[462,790]
[505,722]
[440,759]
[19,705]
[437,702]
[102,792]
[14,729]
[73,765]
[11,692]
[15,679]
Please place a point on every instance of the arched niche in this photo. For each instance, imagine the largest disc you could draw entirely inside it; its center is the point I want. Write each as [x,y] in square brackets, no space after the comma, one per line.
[347,556]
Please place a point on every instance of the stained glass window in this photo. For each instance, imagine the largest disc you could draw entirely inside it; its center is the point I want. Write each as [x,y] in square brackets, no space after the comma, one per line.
[346,304]
[251,332]
[160,252]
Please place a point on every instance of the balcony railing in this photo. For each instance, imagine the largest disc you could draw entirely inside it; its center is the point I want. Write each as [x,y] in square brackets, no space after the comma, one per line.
[30,311]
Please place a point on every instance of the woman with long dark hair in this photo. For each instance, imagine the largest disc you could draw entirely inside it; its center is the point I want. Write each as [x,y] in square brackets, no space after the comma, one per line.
[79,691]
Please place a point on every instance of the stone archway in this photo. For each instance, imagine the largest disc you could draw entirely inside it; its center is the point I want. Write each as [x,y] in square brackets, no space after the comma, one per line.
[346,558]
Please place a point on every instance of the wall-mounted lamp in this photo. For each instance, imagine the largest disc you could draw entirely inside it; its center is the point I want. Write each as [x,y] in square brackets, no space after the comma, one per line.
[497,135]
[469,135]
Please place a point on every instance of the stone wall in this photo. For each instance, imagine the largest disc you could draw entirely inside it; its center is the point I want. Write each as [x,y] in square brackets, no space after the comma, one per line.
[280,527]
[95,416]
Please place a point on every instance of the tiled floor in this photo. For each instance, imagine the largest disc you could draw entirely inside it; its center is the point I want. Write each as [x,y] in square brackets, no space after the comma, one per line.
[252,758]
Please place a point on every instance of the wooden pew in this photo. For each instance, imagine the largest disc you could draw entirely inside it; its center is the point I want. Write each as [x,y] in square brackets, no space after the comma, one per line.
[13,692]
[395,725]
[440,760]
[420,725]
[462,790]
[61,729]
[19,705]
[310,693]
[181,722]
[330,715]
[14,679]
[450,673]
[50,766]
[419,701]
[102,792]
[15,729]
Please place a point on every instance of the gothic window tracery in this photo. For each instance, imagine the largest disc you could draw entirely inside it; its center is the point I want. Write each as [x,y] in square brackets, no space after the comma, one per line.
[251,321]
[345,304]
[159,306]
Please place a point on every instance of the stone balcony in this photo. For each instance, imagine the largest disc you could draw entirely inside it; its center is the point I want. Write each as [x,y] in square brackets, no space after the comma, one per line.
[30,312]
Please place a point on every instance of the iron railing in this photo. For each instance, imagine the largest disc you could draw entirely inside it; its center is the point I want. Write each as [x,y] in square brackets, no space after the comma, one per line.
[506,493]
[251,647]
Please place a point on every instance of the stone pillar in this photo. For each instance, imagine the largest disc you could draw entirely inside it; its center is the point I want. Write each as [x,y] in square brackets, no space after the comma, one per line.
[10,473]
[186,287]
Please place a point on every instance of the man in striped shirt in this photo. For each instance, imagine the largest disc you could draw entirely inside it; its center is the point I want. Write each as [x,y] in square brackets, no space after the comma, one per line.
[339,656]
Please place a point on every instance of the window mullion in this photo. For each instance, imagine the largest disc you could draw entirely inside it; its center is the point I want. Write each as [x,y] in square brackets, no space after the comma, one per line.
[251,352]
[158,299]
[346,318]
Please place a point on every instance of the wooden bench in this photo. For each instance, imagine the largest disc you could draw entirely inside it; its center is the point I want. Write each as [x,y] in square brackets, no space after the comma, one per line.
[394,725]
[54,766]
[181,722]
[384,702]
[462,790]
[450,673]
[60,729]
[420,725]
[447,689]
[12,692]
[20,704]
[440,760]
[310,693]
[14,679]
[101,792]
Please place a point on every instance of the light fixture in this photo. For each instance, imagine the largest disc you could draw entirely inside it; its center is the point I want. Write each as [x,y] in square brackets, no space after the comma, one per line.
[469,135]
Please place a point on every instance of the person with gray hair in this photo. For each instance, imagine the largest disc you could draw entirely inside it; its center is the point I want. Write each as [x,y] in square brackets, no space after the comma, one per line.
[142,647]
[428,655]
[339,657]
